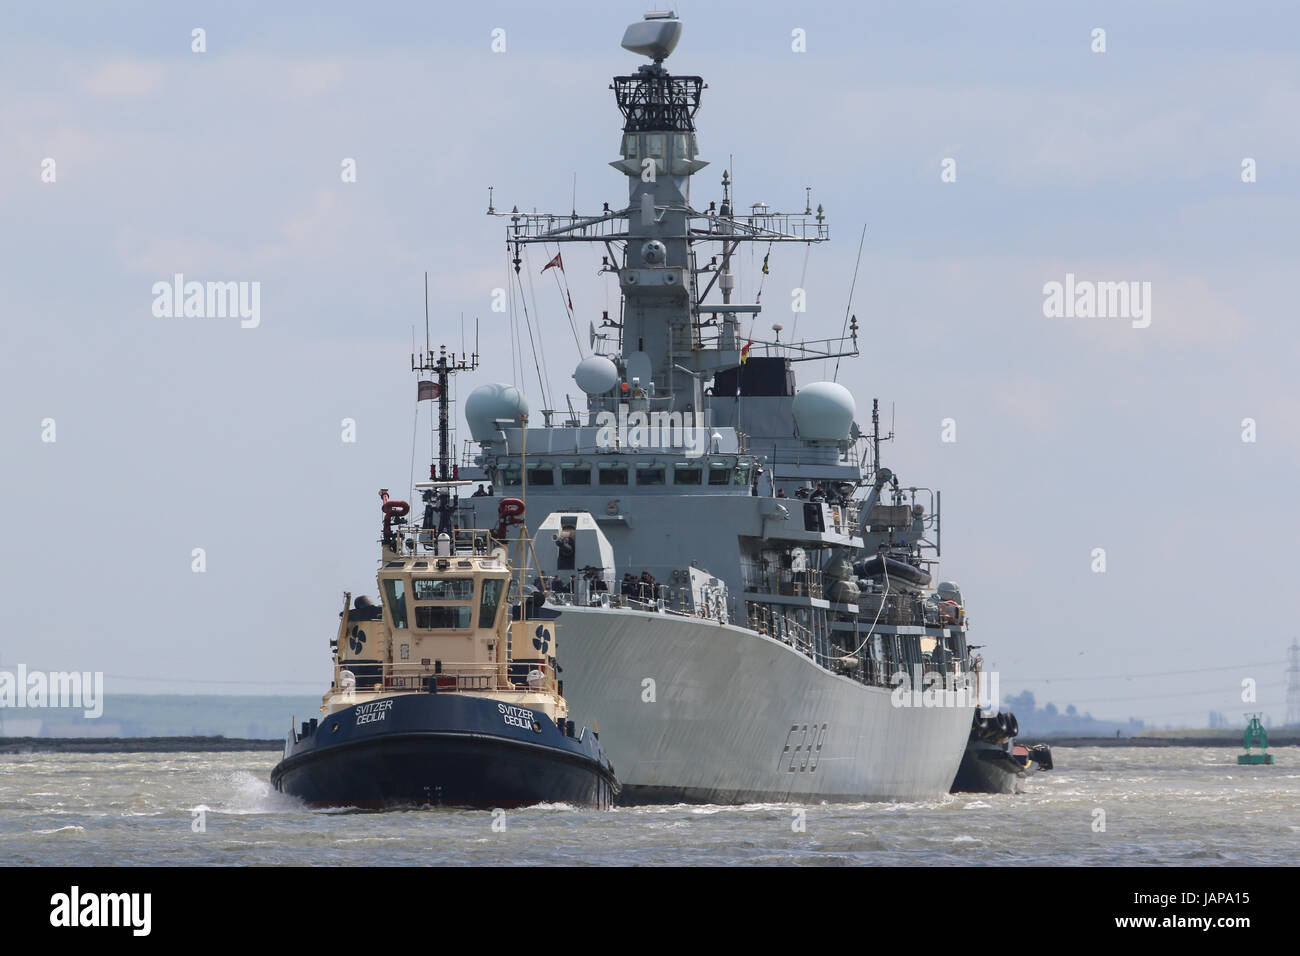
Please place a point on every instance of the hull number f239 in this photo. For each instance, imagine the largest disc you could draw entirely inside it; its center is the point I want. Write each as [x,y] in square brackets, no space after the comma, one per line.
[803,748]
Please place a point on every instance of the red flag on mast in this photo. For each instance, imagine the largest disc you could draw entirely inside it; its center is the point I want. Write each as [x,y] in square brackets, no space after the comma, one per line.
[557,261]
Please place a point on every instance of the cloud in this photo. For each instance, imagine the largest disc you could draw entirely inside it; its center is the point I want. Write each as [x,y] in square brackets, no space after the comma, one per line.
[1186,311]
[120,79]
[305,235]
[1033,403]
[313,77]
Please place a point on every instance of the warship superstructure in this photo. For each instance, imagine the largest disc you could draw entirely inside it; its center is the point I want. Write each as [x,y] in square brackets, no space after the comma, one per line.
[747,593]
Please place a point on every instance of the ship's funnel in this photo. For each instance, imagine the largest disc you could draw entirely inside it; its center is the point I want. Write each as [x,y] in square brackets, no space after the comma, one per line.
[656,36]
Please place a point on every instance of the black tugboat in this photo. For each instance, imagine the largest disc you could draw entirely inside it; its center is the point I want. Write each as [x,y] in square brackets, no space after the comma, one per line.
[446,693]
[994,762]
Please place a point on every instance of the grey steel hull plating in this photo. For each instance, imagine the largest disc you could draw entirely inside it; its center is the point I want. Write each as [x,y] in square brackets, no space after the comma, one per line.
[694,711]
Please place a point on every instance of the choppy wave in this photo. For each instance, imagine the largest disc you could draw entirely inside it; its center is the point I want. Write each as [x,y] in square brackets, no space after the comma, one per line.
[1161,806]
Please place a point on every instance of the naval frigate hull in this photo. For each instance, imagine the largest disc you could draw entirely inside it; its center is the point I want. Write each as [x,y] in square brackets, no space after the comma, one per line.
[736,717]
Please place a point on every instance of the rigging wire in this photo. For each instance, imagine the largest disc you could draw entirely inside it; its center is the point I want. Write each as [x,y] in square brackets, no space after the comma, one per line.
[517,359]
[531,340]
[415,430]
[884,567]
[1199,670]
[1181,693]
[848,307]
[762,276]
[803,275]
[539,348]
[566,300]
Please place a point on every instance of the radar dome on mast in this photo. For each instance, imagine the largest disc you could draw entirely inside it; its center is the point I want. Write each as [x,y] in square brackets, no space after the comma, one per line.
[824,411]
[596,375]
[656,36]
[489,404]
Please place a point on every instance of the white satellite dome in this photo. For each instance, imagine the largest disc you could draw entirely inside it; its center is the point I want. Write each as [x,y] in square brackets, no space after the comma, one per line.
[596,375]
[824,411]
[489,403]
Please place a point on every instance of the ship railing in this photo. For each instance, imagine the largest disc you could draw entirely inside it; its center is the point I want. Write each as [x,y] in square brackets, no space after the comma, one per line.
[783,581]
[897,609]
[775,226]
[462,542]
[883,671]
[450,677]
[776,624]
[659,598]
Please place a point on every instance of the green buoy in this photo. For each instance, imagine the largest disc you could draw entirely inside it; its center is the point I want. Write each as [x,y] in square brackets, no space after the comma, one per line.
[1255,735]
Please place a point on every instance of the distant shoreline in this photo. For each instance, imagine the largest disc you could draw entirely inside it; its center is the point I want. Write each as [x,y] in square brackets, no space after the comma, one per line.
[1290,739]
[111,745]
[118,745]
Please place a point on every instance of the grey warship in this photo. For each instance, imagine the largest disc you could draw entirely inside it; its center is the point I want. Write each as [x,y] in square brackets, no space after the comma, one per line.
[747,592]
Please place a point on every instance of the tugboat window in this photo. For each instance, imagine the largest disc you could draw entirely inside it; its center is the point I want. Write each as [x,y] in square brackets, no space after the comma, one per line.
[575,476]
[488,602]
[444,589]
[395,592]
[443,617]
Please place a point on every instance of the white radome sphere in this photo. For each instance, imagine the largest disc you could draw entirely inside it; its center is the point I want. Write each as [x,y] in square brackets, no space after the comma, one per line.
[488,403]
[824,411]
[596,375]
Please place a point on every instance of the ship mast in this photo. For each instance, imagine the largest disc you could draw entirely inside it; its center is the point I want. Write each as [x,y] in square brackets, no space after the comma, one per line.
[444,474]
[666,325]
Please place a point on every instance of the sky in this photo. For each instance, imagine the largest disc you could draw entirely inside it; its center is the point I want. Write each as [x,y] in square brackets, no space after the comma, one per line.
[1072,434]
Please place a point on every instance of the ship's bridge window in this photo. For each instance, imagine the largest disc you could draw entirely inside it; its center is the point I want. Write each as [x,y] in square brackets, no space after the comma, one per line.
[443,616]
[395,598]
[613,474]
[650,475]
[742,474]
[509,477]
[687,473]
[541,476]
[489,600]
[654,144]
[575,475]
[630,146]
[444,589]
[719,473]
